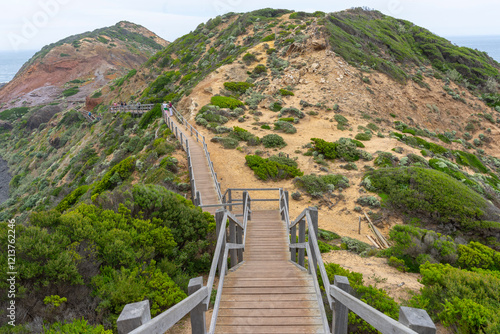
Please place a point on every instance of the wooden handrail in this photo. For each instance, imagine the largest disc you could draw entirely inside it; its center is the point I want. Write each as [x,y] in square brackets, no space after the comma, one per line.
[338,299]
[162,322]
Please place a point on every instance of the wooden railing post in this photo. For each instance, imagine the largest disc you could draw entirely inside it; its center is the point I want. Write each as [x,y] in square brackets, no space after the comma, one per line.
[229,200]
[132,316]
[341,313]
[293,240]
[313,213]
[302,239]
[198,323]
[219,216]
[232,239]
[417,319]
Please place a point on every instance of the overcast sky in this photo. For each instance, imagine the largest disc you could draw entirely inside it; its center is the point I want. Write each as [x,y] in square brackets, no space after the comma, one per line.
[31,24]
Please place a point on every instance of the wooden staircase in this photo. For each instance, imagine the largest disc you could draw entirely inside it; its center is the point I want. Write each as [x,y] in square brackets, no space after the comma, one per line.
[267,293]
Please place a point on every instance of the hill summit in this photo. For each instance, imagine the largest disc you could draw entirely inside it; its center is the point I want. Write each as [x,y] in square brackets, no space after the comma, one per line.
[84,62]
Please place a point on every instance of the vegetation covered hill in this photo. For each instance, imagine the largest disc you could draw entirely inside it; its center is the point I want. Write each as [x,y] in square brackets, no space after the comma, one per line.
[79,66]
[351,111]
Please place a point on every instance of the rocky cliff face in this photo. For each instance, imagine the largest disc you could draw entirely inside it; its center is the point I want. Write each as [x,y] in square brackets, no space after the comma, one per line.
[87,61]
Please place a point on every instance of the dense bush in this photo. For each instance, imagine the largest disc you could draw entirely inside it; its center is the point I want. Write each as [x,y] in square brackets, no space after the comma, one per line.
[292,111]
[249,58]
[266,169]
[72,198]
[418,142]
[284,126]
[13,113]
[259,69]
[151,116]
[115,175]
[70,91]
[463,300]
[273,140]
[225,102]
[328,149]
[285,92]
[238,87]
[469,160]
[363,136]
[316,186]
[385,159]
[428,194]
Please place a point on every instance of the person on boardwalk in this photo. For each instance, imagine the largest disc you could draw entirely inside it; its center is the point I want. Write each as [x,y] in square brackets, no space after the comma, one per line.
[170,108]
[164,108]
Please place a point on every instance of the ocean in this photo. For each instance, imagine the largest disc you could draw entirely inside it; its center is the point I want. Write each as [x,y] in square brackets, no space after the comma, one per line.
[490,44]
[11,62]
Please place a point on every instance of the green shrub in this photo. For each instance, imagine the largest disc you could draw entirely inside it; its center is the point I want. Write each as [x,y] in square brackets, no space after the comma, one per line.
[316,186]
[385,159]
[292,111]
[398,264]
[265,127]
[477,255]
[70,91]
[115,175]
[466,301]
[444,138]
[363,136]
[259,69]
[470,160]
[283,160]
[72,198]
[428,194]
[266,169]
[76,326]
[328,149]
[225,102]
[150,116]
[370,201]
[249,58]
[238,87]
[273,140]
[276,106]
[268,38]
[284,92]
[13,113]
[284,126]
[347,150]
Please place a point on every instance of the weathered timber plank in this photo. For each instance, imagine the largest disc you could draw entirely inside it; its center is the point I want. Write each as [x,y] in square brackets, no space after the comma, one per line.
[262,298]
[272,290]
[269,321]
[265,283]
[273,312]
[270,329]
[270,305]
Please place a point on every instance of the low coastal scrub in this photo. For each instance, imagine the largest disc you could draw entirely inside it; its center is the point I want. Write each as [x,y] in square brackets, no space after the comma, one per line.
[225,102]
[428,194]
[466,301]
[273,140]
[238,87]
[272,169]
[345,149]
[317,186]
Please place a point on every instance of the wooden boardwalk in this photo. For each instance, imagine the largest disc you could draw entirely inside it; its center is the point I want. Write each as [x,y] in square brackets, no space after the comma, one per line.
[203,178]
[268,293]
